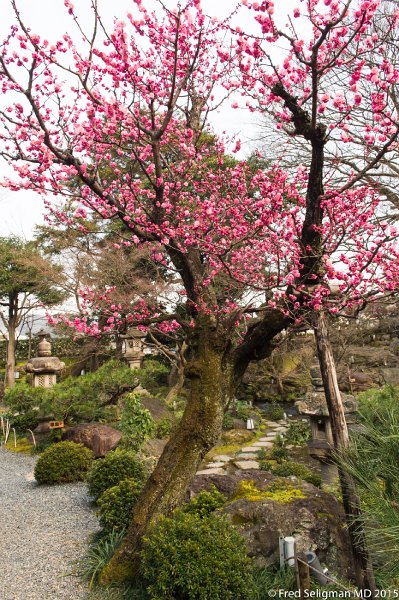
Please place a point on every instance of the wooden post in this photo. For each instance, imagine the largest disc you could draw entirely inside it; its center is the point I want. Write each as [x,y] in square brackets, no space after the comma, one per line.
[362,563]
[303,573]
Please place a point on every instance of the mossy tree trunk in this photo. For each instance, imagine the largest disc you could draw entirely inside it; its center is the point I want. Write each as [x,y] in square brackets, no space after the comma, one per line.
[211,374]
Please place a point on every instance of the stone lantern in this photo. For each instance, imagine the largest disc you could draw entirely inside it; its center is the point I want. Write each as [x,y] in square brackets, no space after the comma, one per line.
[132,348]
[314,406]
[44,367]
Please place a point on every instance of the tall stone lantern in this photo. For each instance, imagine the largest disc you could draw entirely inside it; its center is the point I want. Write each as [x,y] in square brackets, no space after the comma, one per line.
[44,367]
[132,348]
[314,406]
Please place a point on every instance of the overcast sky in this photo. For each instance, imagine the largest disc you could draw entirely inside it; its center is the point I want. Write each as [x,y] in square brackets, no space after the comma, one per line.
[22,210]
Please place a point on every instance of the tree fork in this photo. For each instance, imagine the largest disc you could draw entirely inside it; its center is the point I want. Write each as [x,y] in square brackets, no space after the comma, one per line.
[361,558]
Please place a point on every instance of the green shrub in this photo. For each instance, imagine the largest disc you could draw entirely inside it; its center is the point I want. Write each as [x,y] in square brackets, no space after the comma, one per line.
[82,398]
[205,503]
[63,462]
[114,468]
[154,375]
[115,505]
[243,410]
[275,412]
[165,427]
[298,433]
[228,421]
[196,559]
[288,468]
[279,452]
[136,424]
[23,421]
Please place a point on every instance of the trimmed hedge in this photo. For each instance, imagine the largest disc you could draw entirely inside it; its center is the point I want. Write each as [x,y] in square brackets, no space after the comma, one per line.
[63,462]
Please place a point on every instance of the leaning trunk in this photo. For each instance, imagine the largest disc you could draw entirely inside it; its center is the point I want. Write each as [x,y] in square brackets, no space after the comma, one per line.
[362,562]
[177,385]
[10,366]
[199,430]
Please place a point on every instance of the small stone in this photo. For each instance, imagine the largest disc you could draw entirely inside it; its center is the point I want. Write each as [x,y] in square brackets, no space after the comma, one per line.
[266,444]
[212,472]
[244,455]
[244,465]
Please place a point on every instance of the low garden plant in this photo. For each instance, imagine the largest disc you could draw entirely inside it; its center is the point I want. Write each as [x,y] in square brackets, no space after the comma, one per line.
[115,505]
[196,558]
[62,463]
[112,469]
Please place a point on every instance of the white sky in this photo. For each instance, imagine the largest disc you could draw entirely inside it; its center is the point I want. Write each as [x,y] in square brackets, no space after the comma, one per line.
[21,211]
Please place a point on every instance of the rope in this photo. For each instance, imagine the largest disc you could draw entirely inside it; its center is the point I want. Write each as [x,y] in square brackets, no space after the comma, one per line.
[320,573]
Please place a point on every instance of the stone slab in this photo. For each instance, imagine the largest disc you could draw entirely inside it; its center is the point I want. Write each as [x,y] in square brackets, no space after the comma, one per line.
[266,444]
[215,465]
[250,448]
[211,472]
[244,465]
[222,458]
[245,455]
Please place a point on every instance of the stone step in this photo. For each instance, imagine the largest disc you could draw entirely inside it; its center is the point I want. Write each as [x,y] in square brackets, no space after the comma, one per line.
[211,472]
[244,465]
[216,465]
[246,455]
[252,448]
[221,458]
[261,444]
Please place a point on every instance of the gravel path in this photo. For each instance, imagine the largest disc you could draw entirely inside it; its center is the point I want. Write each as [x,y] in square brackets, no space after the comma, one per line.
[43,529]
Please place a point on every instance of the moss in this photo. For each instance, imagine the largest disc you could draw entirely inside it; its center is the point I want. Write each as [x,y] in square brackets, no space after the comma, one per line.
[118,570]
[279,491]
[23,445]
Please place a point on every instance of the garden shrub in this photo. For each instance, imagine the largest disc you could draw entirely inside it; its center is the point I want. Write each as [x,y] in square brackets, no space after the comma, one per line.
[228,421]
[115,505]
[275,412]
[279,452]
[63,462]
[193,558]
[136,424]
[205,503]
[298,433]
[165,427]
[112,469]
[154,375]
[288,468]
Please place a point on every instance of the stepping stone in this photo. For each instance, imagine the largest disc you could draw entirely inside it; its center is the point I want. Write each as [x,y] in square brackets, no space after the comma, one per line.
[215,465]
[244,465]
[252,448]
[245,455]
[268,437]
[266,444]
[212,472]
[222,458]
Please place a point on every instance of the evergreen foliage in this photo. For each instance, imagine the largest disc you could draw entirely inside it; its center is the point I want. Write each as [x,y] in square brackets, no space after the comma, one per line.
[63,463]
[112,469]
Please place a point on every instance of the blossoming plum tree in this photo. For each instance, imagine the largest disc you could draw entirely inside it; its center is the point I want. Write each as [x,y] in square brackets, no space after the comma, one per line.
[250,250]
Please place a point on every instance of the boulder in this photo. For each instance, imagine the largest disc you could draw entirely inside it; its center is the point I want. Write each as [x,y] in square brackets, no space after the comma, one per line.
[98,437]
[315,518]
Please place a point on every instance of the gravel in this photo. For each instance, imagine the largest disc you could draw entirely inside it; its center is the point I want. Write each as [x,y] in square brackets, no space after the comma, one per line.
[43,530]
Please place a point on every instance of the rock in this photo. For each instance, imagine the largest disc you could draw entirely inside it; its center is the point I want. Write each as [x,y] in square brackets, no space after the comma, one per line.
[211,472]
[317,520]
[246,464]
[215,465]
[154,447]
[156,406]
[98,437]
[244,455]
[237,436]
[261,444]
[250,449]
[221,458]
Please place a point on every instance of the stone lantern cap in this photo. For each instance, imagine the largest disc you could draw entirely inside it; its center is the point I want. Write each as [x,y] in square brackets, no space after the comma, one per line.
[134,332]
[44,362]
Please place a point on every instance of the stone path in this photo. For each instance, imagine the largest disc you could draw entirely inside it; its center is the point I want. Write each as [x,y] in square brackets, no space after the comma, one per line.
[43,529]
[247,457]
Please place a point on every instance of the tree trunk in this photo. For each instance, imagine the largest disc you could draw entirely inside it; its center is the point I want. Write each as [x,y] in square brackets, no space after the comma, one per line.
[211,391]
[10,365]
[177,385]
[362,563]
